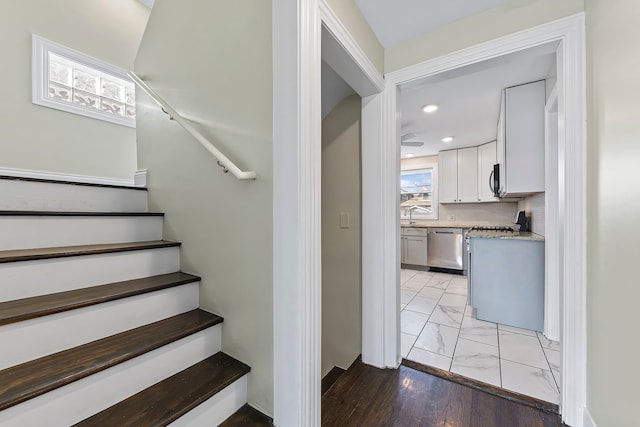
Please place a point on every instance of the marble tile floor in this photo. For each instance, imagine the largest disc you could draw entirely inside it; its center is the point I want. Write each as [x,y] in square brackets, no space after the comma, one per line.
[439,329]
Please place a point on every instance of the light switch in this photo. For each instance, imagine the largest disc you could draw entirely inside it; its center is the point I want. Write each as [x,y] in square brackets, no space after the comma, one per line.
[344,219]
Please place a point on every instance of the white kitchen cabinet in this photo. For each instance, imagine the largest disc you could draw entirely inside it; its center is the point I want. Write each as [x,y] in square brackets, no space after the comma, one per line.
[458,175]
[413,246]
[486,160]
[448,176]
[520,139]
[468,174]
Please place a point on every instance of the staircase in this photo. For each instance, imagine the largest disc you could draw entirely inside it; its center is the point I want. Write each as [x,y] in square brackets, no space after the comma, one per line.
[98,325]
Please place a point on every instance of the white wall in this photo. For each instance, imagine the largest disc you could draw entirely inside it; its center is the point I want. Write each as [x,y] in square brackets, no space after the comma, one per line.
[508,18]
[43,139]
[499,213]
[341,247]
[613,85]
[211,60]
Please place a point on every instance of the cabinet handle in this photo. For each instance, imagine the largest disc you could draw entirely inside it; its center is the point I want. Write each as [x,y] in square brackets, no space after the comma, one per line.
[493,191]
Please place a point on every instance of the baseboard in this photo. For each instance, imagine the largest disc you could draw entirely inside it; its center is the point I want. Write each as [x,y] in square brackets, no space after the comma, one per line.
[139,181]
[140,178]
[588,419]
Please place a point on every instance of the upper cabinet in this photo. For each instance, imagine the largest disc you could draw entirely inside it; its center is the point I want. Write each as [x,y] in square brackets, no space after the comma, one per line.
[448,176]
[458,175]
[468,174]
[520,139]
[486,160]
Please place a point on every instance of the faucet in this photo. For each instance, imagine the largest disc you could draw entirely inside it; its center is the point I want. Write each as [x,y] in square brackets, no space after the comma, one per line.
[411,209]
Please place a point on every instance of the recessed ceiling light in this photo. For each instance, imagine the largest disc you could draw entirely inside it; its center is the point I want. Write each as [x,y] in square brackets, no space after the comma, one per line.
[447,139]
[429,108]
[409,155]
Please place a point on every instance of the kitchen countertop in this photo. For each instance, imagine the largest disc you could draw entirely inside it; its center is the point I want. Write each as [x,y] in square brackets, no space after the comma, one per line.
[442,224]
[505,235]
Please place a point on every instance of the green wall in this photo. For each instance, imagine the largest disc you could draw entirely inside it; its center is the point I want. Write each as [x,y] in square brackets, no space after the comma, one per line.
[211,60]
[43,139]
[341,247]
[515,15]
[613,87]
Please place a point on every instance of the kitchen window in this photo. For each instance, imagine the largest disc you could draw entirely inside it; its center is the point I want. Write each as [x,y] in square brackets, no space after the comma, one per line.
[418,193]
[71,81]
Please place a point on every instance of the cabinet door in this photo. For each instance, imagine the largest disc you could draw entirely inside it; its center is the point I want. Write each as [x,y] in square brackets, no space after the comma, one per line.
[403,250]
[486,160]
[500,144]
[448,176]
[416,250]
[524,138]
[468,174]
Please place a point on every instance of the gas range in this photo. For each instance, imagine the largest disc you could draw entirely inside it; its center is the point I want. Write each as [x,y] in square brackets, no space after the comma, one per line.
[501,229]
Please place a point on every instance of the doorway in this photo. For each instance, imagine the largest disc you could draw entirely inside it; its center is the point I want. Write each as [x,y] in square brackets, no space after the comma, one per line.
[296,203]
[569,32]
[440,327]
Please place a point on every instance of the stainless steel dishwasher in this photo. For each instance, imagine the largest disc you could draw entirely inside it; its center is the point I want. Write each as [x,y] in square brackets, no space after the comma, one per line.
[446,248]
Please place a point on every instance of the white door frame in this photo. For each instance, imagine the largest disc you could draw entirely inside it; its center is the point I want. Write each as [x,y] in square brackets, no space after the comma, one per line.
[304,32]
[553,213]
[570,33]
[297,28]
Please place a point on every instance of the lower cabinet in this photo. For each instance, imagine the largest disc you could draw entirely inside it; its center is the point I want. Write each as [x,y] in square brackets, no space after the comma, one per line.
[506,280]
[413,246]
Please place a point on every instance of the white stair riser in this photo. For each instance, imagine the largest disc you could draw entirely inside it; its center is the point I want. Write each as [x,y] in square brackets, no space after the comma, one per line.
[39,337]
[218,408]
[27,232]
[78,400]
[44,196]
[40,277]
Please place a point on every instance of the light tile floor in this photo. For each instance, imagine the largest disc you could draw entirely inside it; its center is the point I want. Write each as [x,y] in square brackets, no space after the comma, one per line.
[439,329]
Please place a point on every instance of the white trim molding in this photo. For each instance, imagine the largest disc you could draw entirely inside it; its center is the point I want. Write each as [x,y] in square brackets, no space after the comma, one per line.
[140,178]
[345,56]
[303,32]
[296,212]
[569,32]
[66,177]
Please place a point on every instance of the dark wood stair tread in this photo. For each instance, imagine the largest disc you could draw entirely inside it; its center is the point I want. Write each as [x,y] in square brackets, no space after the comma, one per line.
[77,213]
[168,400]
[59,181]
[27,380]
[29,308]
[247,416]
[67,251]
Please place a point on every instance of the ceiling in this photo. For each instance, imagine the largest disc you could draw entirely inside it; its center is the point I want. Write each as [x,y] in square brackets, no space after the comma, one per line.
[399,20]
[468,99]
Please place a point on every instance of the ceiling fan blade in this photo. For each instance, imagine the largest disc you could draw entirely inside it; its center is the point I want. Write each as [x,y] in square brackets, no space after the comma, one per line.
[412,143]
[406,136]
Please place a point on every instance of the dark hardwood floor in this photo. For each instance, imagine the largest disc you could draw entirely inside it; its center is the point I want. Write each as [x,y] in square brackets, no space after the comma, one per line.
[367,396]
[248,416]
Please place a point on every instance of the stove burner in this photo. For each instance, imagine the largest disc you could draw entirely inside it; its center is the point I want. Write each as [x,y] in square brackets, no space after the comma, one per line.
[492,228]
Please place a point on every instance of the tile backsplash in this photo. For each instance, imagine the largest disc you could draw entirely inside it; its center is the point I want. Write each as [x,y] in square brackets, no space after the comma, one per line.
[499,213]
[534,208]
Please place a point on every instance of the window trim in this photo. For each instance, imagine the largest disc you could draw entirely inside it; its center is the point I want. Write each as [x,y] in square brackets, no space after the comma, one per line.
[40,48]
[434,190]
